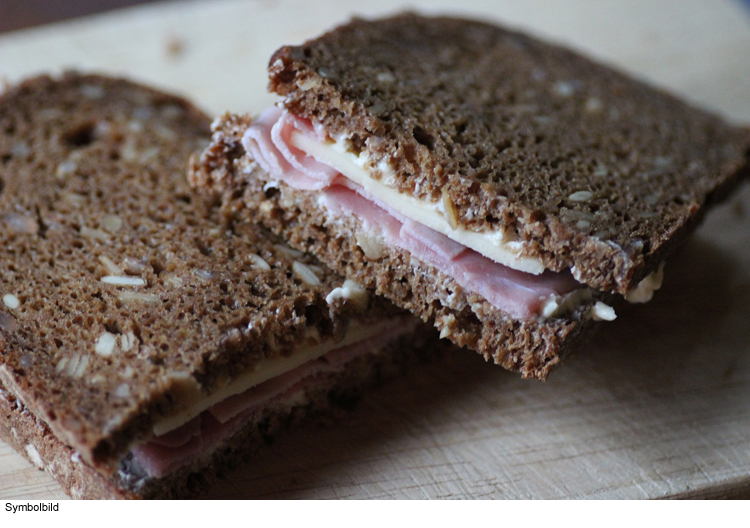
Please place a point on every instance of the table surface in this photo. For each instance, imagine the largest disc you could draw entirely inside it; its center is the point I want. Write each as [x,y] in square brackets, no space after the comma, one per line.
[657,405]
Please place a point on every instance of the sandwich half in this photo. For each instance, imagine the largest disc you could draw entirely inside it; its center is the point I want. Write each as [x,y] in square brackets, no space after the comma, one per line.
[505,189]
[147,343]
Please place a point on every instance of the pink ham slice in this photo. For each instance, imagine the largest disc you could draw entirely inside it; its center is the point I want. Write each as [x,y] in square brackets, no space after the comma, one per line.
[516,293]
[268,141]
[261,394]
[159,460]
[201,435]
[163,454]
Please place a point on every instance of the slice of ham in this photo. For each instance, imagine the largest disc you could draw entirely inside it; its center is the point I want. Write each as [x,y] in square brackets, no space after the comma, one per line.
[516,293]
[158,460]
[201,435]
[334,360]
[340,200]
[268,141]
[159,457]
[437,248]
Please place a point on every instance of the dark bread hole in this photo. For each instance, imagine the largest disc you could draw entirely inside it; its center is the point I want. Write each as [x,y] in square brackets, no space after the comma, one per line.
[205,249]
[476,158]
[346,399]
[299,306]
[537,216]
[2,185]
[286,76]
[157,266]
[80,136]
[504,145]
[469,320]
[424,138]
[313,315]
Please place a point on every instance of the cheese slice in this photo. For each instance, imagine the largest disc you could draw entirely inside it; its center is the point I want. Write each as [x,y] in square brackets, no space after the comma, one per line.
[497,245]
[276,366]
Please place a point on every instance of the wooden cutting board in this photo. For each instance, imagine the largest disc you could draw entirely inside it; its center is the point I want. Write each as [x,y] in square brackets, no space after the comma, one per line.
[658,405]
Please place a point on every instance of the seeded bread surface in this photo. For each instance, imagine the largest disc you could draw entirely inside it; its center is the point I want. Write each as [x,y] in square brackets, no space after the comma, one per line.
[532,348]
[595,171]
[92,184]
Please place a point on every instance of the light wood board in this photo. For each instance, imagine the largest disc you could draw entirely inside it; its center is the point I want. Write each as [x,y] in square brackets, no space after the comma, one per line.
[658,405]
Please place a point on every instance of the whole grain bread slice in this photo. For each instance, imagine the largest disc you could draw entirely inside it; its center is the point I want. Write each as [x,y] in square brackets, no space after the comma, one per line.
[328,399]
[125,296]
[593,170]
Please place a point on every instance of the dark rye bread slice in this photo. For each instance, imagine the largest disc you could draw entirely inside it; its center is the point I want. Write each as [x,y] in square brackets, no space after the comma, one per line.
[595,171]
[92,185]
[532,348]
[328,399]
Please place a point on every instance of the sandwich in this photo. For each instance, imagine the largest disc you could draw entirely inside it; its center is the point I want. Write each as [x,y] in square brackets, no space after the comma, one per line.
[506,190]
[147,342]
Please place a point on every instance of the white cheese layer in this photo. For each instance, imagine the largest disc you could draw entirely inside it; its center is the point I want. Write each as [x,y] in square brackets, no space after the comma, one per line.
[273,367]
[497,246]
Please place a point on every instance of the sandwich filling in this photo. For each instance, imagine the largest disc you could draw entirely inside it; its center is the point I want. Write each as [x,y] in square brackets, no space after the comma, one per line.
[300,154]
[275,384]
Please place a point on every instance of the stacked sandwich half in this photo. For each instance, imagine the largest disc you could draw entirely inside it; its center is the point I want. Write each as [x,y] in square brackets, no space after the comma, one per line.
[506,190]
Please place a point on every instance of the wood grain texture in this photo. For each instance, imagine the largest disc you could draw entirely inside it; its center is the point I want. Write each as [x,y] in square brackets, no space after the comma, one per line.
[657,405]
